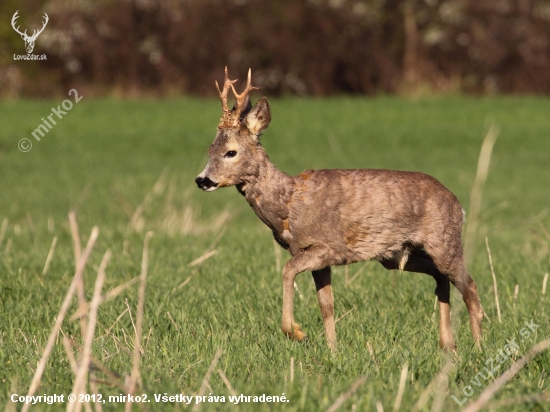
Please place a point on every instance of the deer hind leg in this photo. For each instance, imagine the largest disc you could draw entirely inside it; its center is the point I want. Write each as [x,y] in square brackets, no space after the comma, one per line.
[313,259]
[468,288]
[322,280]
[420,262]
[453,268]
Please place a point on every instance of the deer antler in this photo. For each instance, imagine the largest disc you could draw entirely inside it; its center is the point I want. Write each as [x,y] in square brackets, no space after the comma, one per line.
[13,19]
[231,119]
[226,117]
[241,98]
[37,32]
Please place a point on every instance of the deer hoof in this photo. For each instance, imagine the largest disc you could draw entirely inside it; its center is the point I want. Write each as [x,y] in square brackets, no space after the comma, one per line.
[296,333]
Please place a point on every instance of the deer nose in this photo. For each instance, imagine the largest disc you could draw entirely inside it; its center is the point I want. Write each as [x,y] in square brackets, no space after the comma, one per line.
[204,183]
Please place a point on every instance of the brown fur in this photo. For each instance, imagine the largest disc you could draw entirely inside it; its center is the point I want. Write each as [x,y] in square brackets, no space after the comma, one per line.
[404,220]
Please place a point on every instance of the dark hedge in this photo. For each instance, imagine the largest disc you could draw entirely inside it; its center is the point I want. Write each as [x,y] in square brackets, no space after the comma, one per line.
[314,47]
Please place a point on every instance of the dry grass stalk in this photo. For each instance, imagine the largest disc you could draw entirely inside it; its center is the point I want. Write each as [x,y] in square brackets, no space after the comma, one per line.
[148,337]
[401,390]
[130,314]
[202,258]
[348,282]
[379,407]
[60,282]
[24,337]
[544,230]
[477,193]
[219,222]
[425,396]
[374,360]
[516,294]
[3,230]
[345,314]
[60,316]
[494,280]
[345,396]
[544,283]
[50,255]
[192,364]
[474,216]
[76,239]
[182,284]
[70,354]
[80,281]
[72,362]
[209,252]
[79,386]
[186,220]
[115,339]
[95,390]
[292,369]
[207,377]
[113,380]
[494,210]
[441,384]
[137,221]
[135,376]
[125,338]
[109,295]
[9,244]
[173,321]
[119,289]
[490,391]
[227,383]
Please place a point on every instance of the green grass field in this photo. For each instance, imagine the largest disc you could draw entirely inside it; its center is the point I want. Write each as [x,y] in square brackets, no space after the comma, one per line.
[128,168]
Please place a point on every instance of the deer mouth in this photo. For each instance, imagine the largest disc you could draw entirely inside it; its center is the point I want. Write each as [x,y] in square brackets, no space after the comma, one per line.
[206,184]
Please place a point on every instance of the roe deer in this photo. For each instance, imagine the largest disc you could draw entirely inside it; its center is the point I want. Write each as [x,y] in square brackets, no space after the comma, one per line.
[404,220]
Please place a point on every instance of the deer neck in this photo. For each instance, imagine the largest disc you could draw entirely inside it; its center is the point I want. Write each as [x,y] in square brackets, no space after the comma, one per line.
[266,181]
[269,192]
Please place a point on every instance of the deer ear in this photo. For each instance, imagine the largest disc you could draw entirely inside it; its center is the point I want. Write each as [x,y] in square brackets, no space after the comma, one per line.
[259,117]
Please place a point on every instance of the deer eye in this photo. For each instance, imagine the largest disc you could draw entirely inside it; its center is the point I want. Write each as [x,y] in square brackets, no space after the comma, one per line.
[230,153]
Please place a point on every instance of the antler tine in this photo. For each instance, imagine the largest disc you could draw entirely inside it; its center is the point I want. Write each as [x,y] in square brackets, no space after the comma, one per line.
[35,33]
[46,20]
[241,98]
[223,93]
[13,23]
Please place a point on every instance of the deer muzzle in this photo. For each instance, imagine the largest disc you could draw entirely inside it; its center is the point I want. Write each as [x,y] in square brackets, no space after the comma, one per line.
[205,183]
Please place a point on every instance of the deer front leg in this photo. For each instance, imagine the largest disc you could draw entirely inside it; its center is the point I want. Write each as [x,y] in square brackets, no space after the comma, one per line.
[289,327]
[322,280]
[311,260]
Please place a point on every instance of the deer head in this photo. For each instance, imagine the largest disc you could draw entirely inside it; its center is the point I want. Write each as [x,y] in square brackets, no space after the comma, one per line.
[29,40]
[234,154]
